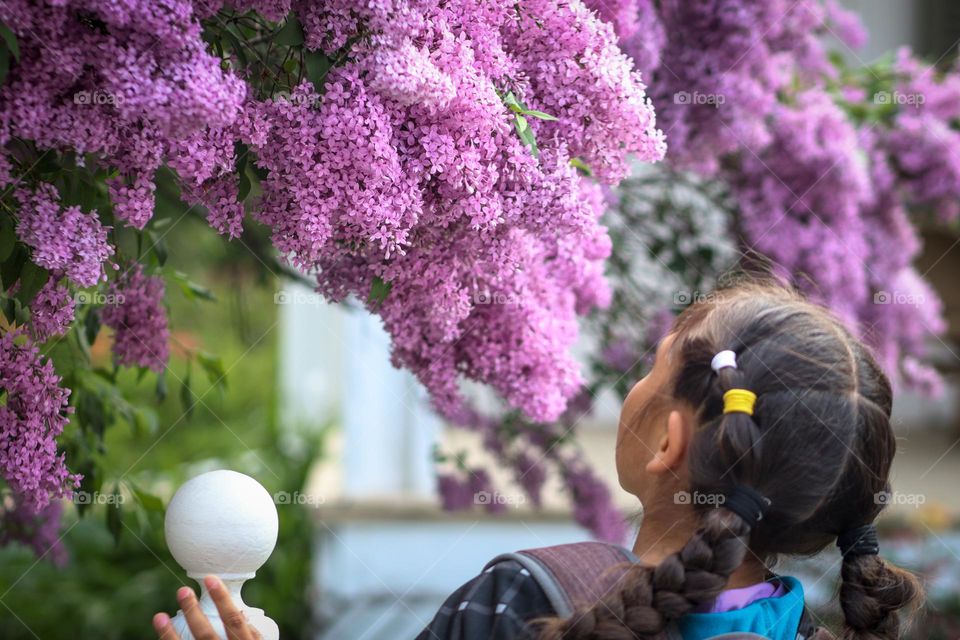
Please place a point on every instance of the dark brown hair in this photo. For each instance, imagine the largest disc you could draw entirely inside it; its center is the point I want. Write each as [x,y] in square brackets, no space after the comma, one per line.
[819,446]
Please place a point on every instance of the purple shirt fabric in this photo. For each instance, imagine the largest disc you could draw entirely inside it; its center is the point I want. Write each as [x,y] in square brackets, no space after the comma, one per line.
[732,599]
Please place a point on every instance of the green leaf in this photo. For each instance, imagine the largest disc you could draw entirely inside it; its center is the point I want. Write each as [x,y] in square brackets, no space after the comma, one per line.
[145,421]
[8,237]
[186,395]
[191,289]
[577,163]
[161,390]
[526,134]
[158,247]
[91,413]
[32,279]
[149,501]
[115,517]
[22,315]
[213,367]
[9,307]
[159,224]
[511,101]
[4,65]
[10,39]
[318,65]
[238,48]
[91,326]
[291,35]
[538,114]
[10,269]
[244,189]
[379,290]
[521,123]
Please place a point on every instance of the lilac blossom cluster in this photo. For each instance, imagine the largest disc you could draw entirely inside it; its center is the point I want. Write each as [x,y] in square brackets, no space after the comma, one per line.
[407,171]
[823,190]
[715,68]
[530,452]
[65,241]
[119,80]
[136,313]
[33,413]
[51,311]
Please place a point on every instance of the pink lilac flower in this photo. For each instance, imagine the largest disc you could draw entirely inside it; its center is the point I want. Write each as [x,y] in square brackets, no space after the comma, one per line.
[39,530]
[33,414]
[62,240]
[126,90]
[455,493]
[593,506]
[51,311]
[439,197]
[136,313]
[800,201]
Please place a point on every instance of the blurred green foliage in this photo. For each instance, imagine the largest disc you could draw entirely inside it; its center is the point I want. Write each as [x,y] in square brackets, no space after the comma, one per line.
[216,408]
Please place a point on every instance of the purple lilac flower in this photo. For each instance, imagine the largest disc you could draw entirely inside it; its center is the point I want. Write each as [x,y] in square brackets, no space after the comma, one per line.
[33,414]
[63,240]
[39,530]
[51,311]
[136,313]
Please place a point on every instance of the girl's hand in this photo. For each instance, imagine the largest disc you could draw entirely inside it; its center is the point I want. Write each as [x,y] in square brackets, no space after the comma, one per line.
[233,619]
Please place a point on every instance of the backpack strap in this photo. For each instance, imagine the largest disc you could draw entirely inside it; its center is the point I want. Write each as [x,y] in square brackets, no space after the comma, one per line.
[582,573]
[573,575]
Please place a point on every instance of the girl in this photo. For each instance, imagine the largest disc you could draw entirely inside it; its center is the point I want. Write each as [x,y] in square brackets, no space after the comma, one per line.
[762,430]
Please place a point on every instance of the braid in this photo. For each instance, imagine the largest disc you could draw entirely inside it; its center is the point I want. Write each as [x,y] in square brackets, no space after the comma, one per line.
[652,597]
[871,593]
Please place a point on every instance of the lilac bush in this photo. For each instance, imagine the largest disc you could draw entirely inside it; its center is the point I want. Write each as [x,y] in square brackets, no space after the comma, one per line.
[423,158]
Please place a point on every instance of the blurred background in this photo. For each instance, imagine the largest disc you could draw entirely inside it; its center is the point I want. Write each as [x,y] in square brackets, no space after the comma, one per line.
[312,408]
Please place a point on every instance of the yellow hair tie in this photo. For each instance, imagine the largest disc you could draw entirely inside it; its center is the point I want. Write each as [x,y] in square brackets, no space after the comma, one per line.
[739,401]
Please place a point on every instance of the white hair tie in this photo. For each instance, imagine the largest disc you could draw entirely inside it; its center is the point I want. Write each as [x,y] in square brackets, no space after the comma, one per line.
[723,359]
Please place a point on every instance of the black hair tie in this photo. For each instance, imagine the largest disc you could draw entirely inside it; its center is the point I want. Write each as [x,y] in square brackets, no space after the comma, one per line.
[860,541]
[748,503]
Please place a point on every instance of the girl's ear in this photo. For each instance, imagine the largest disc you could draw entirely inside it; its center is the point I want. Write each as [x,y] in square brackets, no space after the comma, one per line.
[672,449]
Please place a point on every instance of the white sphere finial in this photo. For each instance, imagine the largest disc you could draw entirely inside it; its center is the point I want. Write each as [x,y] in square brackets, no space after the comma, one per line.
[222,523]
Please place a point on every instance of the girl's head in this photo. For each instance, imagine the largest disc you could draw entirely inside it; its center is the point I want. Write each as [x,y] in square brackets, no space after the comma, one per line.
[818,446]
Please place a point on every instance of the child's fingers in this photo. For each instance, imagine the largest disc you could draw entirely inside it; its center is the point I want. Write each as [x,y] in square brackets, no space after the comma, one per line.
[200,627]
[163,627]
[234,621]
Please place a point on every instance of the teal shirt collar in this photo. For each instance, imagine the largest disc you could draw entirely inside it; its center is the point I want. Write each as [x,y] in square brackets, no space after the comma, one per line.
[776,618]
